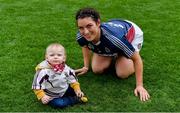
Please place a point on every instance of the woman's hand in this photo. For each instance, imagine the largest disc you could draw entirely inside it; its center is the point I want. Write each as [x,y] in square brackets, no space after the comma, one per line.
[143,94]
[81,71]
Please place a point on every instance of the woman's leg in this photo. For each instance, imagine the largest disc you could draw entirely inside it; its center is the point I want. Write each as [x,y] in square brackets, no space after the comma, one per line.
[100,63]
[124,67]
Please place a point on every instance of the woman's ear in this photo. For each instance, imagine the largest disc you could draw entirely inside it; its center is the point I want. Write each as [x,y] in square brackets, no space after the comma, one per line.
[98,22]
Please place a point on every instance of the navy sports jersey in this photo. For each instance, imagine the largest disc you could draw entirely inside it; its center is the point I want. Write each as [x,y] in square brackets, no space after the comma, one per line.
[116,38]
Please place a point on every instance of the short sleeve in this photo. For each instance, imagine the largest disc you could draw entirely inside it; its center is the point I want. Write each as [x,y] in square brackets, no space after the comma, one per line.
[39,78]
[81,40]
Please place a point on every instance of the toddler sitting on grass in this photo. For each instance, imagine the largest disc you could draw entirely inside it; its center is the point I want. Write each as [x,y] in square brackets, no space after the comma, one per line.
[55,83]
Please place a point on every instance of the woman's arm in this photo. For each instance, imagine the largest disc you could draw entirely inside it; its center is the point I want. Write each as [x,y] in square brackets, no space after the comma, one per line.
[86,58]
[138,66]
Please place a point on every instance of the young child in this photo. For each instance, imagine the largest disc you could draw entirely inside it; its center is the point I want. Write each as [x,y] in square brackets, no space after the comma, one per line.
[55,83]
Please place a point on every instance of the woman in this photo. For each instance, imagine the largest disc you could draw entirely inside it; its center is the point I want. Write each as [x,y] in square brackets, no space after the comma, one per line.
[116,39]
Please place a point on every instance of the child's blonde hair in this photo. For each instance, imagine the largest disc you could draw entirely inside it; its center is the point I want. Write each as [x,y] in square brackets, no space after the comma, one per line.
[55,45]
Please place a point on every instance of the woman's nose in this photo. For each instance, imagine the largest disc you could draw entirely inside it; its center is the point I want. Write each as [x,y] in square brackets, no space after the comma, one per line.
[86,31]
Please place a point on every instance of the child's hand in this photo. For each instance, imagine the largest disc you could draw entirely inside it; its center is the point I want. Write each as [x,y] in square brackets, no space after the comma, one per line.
[79,93]
[45,99]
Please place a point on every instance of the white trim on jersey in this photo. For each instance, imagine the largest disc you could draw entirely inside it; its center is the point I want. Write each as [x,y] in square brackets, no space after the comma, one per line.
[118,43]
[78,36]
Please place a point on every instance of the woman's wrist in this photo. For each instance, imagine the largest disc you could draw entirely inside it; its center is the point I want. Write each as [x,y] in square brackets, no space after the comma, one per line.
[85,68]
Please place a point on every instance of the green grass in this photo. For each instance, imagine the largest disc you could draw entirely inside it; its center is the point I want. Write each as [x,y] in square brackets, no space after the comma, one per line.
[28,26]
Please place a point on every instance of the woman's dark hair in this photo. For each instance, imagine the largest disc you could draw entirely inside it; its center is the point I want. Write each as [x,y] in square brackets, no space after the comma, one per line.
[88,12]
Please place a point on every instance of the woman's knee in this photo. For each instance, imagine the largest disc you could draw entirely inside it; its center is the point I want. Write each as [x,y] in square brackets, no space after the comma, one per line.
[122,74]
[98,70]
[124,67]
[100,63]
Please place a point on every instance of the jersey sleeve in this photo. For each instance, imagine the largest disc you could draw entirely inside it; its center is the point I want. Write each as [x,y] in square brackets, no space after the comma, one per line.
[39,93]
[115,33]
[39,78]
[126,47]
[75,86]
[70,75]
[81,40]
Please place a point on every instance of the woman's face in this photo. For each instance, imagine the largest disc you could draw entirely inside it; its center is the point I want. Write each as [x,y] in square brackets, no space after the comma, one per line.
[89,29]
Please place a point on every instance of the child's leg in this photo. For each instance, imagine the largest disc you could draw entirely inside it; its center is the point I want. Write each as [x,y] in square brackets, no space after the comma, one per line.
[63,102]
[69,92]
[69,98]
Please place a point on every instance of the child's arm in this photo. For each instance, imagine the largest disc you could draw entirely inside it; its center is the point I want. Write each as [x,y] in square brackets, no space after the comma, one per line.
[77,90]
[75,86]
[42,96]
[39,93]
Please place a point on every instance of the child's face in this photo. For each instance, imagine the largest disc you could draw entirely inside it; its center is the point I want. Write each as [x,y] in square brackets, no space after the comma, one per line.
[55,55]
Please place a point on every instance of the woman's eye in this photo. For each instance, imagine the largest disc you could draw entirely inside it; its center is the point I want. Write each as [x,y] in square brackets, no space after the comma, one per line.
[80,28]
[89,26]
